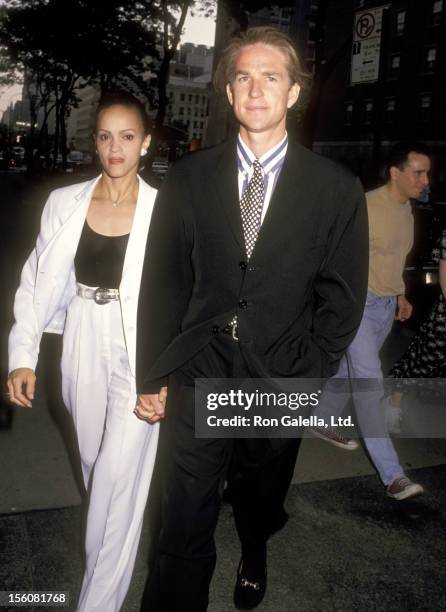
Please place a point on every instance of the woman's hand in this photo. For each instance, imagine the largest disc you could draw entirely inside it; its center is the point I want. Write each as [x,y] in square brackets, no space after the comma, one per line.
[21,385]
[151,407]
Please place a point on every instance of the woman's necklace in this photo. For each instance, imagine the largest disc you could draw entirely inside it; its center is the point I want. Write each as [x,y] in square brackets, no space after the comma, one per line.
[117,201]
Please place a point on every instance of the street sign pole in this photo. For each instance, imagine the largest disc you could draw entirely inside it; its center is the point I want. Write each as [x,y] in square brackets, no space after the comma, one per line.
[378,101]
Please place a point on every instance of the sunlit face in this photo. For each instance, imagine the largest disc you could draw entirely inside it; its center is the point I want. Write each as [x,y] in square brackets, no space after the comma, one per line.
[413,178]
[119,139]
[261,92]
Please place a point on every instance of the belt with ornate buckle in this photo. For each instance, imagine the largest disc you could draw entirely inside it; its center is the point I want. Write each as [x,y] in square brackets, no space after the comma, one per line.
[99,295]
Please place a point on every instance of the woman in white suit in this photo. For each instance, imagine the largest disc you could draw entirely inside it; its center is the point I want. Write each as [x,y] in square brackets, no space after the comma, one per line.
[82,279]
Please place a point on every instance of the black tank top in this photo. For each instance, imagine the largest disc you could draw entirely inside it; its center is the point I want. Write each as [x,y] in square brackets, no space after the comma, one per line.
[99,259]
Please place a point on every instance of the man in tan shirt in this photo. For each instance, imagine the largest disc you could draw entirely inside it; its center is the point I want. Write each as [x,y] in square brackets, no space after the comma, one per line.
[390,240]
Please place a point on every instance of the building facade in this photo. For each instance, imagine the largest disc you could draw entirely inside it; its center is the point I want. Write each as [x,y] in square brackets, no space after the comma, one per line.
[187,90]
[357,122]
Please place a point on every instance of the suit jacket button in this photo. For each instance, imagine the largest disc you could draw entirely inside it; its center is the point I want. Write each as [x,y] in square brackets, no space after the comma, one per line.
[242,265]
[215,329]
[243,304]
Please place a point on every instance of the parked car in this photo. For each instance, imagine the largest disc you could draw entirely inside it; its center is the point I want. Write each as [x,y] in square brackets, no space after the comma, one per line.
[75,157]
[160,166]
[18,153]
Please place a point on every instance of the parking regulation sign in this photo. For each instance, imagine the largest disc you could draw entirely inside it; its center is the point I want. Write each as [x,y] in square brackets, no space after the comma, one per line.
[366,45]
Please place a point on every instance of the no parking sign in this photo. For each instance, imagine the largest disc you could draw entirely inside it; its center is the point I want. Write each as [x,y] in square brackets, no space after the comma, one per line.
[366,45]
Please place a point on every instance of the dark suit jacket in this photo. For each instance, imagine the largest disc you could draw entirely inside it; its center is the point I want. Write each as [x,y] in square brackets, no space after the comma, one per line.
[298,300]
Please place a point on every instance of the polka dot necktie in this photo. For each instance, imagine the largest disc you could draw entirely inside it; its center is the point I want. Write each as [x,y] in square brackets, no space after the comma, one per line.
[251,206]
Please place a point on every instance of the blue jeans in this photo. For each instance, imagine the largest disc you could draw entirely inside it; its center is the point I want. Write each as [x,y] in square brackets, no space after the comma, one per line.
[362,361]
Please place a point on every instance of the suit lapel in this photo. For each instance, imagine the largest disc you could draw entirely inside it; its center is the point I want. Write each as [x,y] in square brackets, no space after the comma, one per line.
[140,226]
[226,183]
[285,201]
[72,221]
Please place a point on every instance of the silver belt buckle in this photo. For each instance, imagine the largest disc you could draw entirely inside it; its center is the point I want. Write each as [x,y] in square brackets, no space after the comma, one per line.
[103,296]
[234,331]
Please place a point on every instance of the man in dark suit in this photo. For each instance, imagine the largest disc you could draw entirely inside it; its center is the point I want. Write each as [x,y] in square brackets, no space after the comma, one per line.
[256,267]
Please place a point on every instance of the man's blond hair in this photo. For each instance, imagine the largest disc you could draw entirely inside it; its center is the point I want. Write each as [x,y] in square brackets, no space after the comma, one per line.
[265,35]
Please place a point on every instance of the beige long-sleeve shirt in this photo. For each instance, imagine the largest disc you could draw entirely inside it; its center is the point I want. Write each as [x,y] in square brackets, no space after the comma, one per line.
[391,238]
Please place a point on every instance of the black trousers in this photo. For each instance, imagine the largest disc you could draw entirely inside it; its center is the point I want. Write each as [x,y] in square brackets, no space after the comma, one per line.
[195,471]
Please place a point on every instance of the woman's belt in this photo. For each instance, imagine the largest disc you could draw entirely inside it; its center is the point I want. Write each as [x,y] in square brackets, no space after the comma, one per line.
[99,295]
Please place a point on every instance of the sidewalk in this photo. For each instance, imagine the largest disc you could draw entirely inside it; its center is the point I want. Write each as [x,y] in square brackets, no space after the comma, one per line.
[346,547]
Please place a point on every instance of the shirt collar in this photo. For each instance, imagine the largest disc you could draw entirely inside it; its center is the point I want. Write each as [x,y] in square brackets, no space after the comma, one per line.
[270,160]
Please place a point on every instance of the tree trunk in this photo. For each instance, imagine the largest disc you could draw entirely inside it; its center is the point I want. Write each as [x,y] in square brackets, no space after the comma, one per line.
[56,134]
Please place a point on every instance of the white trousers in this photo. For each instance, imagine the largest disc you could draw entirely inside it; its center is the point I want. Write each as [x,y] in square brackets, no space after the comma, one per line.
[117,450]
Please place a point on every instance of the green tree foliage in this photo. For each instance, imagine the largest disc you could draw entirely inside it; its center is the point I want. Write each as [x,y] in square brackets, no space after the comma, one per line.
[60,46]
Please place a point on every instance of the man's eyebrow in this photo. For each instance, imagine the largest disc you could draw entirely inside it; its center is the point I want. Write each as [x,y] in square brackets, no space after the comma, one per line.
[271,73]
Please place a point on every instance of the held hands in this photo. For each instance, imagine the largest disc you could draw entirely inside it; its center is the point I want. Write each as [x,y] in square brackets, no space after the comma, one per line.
[151,407]
[404,309]
[21,385]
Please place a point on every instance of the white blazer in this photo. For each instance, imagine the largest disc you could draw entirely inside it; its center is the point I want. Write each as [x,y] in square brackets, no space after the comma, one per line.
[48,281]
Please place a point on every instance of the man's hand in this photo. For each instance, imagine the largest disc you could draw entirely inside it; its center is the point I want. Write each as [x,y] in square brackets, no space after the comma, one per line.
[404,309]
[151,407]
[21,385]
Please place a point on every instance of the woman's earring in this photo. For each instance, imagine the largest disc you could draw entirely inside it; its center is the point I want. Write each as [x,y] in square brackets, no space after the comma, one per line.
[143,151]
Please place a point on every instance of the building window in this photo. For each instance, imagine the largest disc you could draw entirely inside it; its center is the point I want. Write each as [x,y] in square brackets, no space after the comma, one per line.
[400,22]
[430,58]
[389,109]
[367,112]
[348,113]
[437,12]
[395,63]
[424,107]
[197,98]
[189,97]
[203,99]
[181,110]
[182,97]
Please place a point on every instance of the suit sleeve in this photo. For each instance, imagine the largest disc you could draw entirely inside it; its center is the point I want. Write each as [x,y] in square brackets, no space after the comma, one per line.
[166,281]
[25,335]
[341,285]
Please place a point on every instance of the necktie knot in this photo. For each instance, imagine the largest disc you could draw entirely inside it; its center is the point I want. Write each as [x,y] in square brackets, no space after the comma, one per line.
[257,166]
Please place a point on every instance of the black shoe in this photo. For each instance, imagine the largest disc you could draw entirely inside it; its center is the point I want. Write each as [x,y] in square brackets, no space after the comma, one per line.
[250,587]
